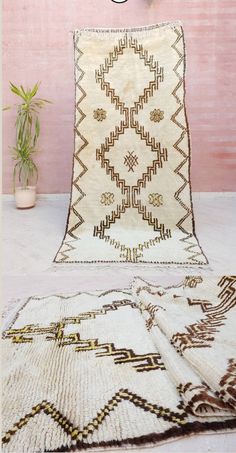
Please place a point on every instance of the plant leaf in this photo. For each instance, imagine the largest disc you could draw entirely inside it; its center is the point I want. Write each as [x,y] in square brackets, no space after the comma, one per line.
[34,90]
[16,90]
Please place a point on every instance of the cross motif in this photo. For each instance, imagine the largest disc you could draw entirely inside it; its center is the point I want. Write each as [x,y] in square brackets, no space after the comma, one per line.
[129,120]
[131,160]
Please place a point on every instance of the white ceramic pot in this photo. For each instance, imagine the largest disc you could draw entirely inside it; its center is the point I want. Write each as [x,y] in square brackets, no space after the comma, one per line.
[25,198]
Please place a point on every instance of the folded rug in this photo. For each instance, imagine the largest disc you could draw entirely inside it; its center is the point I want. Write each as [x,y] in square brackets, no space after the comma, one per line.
[99,370]
[130,197]
[195,325]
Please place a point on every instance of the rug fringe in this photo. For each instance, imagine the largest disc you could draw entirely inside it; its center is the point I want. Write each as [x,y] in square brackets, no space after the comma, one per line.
[142,30]
[12,307]
[178,269]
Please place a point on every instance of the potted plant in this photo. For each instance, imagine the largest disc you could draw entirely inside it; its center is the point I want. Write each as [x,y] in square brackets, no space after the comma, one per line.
[25,173]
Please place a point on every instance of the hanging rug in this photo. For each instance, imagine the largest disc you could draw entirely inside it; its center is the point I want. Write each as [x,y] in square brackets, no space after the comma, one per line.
[131,196]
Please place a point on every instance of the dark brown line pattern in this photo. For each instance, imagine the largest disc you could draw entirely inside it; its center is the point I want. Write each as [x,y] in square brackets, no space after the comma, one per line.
[201,399]
[151,310]
[55,332]
[64,250]
[72,229]
[185,160]
[152,439]
[185,264]
[86,316]
[228,384]
[202,333]
[61,256]
[229,288]
[192,281]
[189,159]
[129,122]
[149,362]
[204,304]
[179,418]
[66,297]
[135,255]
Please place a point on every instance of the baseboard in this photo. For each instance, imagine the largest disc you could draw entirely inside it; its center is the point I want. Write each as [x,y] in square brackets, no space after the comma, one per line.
[61,196]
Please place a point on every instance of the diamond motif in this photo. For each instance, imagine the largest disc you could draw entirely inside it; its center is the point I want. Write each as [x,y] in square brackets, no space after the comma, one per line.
[130,190]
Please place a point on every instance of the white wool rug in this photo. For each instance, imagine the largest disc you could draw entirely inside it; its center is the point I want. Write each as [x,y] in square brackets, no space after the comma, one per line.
[131,195]
[120,368]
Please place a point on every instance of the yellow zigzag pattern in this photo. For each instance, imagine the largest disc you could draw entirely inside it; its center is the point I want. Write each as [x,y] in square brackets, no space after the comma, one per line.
[77,434]
[56,328]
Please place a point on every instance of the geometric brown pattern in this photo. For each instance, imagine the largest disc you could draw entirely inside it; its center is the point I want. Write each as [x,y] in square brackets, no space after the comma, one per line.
[131,193]
[98,370]
[77,434]
[125,75]
[146,362]
[131,160]
[202,333]
[184,134]
[228,383]
[149,362]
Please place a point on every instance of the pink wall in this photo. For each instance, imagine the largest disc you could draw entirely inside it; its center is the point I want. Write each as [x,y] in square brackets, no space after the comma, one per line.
[37,45]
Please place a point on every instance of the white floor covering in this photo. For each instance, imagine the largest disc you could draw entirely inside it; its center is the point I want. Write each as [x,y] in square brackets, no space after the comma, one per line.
[32,237]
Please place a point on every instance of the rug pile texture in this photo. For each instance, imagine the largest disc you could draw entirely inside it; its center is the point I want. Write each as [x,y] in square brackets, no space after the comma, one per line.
[131,196]
[120,368]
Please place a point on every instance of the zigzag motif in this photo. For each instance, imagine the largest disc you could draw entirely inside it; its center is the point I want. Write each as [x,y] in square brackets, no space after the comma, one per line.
[56,329]
[132,254]
[110,219]
[164,233]
[228,384]
[81,117]
[177,194]
[55,332]
[103,311]
[150,362]
[63,252]
[104,69]
[204,304]
[145,136]
[76,434]
[151,170]
[153,67]
[179,62]
[228,292]
[151,142]
[105,163]
[174,116]
[109,63]
[151,309]
[202,333]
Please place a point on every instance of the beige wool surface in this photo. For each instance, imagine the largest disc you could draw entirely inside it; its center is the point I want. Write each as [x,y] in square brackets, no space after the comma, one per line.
[131,196]
[120,368]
